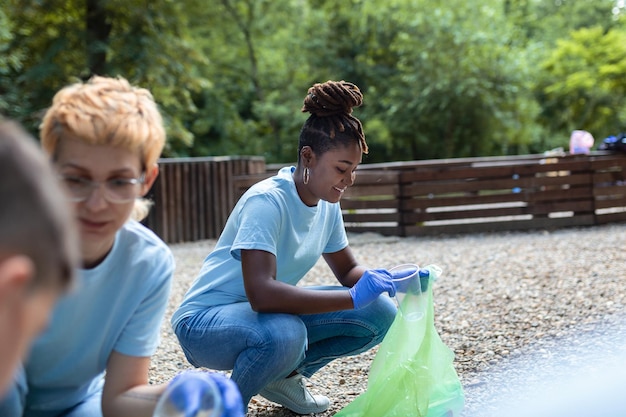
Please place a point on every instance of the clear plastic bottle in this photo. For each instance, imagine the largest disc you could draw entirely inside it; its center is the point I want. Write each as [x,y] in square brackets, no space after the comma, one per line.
[201,400]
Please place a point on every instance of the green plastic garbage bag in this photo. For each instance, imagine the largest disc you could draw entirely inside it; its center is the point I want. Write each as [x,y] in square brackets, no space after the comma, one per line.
[412,373]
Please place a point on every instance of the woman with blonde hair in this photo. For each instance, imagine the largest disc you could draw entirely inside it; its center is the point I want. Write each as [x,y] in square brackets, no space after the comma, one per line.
[104,138]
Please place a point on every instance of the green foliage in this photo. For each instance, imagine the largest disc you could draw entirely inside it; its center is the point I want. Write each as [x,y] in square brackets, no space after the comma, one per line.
[259,78]
[440,78]
[451,81]
[10,60]
[584,85]
[152,47]
[148,44]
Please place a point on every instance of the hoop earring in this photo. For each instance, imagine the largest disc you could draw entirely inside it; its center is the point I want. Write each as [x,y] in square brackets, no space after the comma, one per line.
[306,175]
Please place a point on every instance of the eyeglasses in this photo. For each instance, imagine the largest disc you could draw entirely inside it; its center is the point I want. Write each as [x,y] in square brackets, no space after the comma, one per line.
[116,190]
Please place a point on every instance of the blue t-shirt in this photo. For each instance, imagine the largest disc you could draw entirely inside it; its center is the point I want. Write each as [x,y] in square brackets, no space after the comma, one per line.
[271,217]
[117,306]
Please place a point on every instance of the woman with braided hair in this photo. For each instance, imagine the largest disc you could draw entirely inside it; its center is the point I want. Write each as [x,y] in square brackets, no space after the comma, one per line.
[244,311]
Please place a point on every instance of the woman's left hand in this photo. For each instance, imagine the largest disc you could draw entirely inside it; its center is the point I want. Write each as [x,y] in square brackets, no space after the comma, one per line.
[190,387]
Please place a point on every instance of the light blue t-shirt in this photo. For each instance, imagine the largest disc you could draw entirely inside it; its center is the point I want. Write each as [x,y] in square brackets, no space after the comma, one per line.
[116,306]
[271,217]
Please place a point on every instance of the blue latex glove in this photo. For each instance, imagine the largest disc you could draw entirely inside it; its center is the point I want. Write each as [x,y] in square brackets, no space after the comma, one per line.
[187,395]
[424,279]
[372,283]
[402,286]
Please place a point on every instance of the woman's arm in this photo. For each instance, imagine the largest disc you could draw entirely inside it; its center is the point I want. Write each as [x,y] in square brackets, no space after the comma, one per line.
[126,390]
[266,294]
[344,266]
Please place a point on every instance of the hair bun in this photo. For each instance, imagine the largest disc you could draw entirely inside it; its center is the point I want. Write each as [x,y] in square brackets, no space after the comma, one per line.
[331,98]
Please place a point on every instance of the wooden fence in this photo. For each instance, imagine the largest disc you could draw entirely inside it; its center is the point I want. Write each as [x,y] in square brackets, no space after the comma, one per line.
[193,197]
[488,194]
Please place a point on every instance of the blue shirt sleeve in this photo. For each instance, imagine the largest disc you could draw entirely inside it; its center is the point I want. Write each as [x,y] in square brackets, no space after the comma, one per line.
[141,335]
[259,226]
[338,239]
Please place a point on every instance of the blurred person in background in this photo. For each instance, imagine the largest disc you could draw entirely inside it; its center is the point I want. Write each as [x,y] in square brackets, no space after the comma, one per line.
[38,247]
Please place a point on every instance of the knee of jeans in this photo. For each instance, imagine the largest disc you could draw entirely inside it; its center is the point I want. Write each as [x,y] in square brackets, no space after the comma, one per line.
[382,313]
[179,332]
[189,356]
[285,339]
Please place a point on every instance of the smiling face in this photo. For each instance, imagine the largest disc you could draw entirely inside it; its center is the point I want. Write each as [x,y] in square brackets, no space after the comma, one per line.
[98,219]
[330,173]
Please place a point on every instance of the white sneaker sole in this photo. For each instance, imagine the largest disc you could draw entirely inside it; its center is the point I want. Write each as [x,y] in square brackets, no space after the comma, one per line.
[288,403]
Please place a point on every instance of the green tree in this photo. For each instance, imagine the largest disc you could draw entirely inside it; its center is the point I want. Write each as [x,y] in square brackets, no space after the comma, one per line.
[63,41]
[440,78]
[453,80]
[259,72]
[547,21]
[10,61]
[584,85]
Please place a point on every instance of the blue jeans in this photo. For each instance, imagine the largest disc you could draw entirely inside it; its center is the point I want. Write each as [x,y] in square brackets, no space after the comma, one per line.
[14,403]
[263,347]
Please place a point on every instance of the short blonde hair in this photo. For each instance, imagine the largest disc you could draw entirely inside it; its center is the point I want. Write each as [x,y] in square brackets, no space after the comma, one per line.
[106,111]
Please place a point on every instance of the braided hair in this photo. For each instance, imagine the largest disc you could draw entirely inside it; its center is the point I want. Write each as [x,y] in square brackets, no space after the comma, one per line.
[331,122]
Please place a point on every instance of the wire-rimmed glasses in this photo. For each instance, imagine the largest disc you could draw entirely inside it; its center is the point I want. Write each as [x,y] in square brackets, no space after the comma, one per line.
[115,190]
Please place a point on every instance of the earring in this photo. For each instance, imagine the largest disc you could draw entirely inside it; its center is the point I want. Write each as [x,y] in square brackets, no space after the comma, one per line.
[306,176]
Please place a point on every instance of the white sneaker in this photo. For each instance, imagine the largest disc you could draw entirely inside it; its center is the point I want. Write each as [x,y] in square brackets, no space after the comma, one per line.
[292,394]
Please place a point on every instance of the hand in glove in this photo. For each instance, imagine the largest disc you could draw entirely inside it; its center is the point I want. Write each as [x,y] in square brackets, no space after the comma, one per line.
[372,283]
[189,388]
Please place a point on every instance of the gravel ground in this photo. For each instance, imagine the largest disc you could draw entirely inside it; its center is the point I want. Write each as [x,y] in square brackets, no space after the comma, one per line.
[514,307]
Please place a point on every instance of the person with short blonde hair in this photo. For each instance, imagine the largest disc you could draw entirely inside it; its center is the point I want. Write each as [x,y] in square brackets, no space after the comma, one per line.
[104,137]
[107,111]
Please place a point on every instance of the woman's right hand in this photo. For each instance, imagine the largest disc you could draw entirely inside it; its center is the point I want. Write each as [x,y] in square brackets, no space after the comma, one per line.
[372,283]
